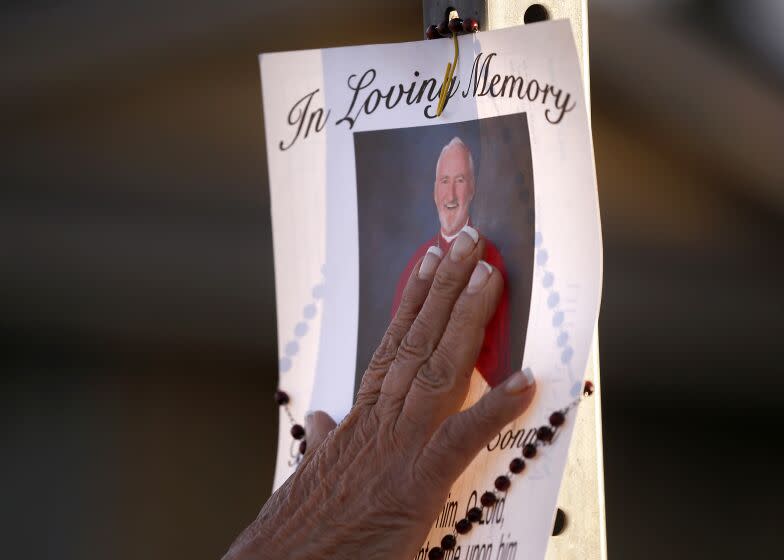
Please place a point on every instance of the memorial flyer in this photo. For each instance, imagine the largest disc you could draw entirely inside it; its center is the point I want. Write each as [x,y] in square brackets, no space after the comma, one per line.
[354,143]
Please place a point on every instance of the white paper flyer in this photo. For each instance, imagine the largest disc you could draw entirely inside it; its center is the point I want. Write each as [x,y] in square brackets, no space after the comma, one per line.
[353,143]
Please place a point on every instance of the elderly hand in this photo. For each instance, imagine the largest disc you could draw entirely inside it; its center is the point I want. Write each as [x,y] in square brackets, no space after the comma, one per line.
[372,486]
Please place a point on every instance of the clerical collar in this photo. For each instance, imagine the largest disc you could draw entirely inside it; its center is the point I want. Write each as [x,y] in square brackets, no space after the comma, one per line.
[450,238]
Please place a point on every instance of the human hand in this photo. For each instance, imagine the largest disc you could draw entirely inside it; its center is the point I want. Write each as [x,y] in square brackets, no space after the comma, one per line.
[372,486]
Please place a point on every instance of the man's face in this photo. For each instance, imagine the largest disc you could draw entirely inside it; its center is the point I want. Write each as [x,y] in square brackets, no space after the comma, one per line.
[454,189]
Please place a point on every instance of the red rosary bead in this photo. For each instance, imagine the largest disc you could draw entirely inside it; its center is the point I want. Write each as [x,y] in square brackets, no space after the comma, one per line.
[455,25]
[297,431]
[588,389]
[529,451]
[302,447]
[545,433]
[470,25]
[448,542]
[432,32]
[517,465]
[435,553]
[443,29]
[488,499]
[474,514]
[557,418]
[463,526]
[281,398]
[502,483]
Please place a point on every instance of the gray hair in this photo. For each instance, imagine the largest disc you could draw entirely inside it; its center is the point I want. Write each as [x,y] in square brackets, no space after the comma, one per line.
[457,142]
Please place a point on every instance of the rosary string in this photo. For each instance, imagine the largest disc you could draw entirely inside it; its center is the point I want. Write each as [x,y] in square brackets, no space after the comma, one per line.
[545,435]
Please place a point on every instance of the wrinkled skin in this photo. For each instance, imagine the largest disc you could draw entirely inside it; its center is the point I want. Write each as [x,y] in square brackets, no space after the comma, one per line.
[371,487]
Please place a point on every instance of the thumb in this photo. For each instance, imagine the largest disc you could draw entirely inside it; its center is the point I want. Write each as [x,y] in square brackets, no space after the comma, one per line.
[317,425]
[462,435]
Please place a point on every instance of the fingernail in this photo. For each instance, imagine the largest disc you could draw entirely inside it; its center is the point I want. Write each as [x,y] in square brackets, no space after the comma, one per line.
[464,244]
[482,272]
[519,382]
[430,262]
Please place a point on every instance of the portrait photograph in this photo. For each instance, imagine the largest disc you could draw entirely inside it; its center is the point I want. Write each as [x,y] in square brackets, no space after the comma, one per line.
[417,187]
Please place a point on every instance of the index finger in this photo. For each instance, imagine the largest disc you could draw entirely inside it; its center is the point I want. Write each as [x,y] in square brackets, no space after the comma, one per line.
[413,297]
[427,329]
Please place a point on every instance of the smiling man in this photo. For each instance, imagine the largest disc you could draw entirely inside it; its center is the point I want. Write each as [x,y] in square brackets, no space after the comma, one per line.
[453,193]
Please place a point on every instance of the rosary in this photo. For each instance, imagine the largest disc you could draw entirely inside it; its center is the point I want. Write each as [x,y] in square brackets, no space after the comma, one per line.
[544,436]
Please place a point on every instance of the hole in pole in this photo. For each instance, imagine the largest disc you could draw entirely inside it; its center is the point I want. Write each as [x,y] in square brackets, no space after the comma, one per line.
[536,12]
[560,522]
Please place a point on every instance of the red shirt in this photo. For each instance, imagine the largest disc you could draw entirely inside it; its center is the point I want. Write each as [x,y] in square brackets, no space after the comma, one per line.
[494,361]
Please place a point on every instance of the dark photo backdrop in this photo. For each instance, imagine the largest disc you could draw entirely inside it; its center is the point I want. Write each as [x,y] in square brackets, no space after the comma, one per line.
[395,179]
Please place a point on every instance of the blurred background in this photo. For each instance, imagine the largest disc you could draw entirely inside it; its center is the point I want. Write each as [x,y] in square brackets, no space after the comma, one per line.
[137,303]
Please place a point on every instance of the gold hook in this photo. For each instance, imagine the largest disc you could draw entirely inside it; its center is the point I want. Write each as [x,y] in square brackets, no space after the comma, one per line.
[448,75]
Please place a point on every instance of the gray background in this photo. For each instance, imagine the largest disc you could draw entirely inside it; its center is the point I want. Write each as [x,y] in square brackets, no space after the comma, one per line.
[397,214]
[137,301]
